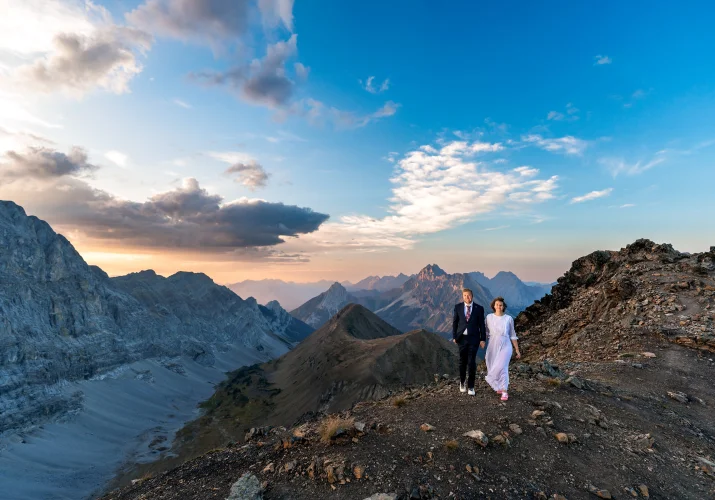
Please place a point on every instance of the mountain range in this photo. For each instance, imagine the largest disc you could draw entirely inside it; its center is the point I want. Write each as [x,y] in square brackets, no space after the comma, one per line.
[291,295]
[67,330]
[425,300]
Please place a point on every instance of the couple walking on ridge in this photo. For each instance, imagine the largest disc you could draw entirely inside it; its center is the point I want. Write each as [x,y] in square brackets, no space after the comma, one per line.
[470,330]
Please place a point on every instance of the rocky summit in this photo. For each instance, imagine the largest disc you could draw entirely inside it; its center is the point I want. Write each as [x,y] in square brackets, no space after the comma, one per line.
[608,302]
[613,399]
[318,310]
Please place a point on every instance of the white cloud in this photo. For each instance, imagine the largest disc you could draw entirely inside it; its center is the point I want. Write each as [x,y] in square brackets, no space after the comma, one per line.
[570,115]
[372,88]
[627,205]
[593,195]
[28,27]
[183,104]
[14,109]
[434,190]
[231,157]
[618,166]
[318,113]
[601,60]
[117,157]
[567,144]
[67,46]
[496,228]
[301,70]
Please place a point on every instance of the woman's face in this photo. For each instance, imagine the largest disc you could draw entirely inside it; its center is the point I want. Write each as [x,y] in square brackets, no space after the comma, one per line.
[499,307]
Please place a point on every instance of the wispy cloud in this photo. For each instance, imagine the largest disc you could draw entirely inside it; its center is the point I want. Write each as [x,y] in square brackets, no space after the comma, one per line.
[567,144]
[319,113]
[601,60]
[618,166]
[593,195]
[496,228]
[570,114]
[627,205]
[183,104]
[368,85]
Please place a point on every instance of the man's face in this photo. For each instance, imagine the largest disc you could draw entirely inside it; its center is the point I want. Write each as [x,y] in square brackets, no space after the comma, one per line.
[467,297]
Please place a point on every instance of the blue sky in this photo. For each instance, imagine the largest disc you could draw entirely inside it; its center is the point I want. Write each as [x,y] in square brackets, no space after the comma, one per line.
[489,137]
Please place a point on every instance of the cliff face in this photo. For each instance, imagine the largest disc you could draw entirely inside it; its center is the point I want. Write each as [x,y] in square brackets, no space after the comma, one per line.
[62,320]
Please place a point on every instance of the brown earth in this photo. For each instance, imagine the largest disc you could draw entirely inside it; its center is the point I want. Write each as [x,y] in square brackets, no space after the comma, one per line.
[625,431]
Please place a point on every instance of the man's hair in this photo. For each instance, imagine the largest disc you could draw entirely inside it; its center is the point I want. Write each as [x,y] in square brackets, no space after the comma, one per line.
[498,299]
[467,290]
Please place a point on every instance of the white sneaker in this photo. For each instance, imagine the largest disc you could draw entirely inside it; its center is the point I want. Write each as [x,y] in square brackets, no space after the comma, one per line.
[462,387]
[471,392]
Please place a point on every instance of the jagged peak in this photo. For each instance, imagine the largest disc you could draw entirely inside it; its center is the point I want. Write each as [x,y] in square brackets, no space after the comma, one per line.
[10,207]
[336,287]
[431,271]
[274,305]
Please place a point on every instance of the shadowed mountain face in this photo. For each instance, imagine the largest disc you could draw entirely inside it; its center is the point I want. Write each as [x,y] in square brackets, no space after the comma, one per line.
[355,356]
[62,320]
[318,310]
[517,294]
[427,300]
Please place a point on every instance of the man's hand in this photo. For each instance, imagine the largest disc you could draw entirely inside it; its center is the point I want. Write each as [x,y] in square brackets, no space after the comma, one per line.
[482,344]
[453,340]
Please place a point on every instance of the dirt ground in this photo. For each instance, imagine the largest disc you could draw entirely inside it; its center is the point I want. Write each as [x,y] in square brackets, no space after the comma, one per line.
[623,434]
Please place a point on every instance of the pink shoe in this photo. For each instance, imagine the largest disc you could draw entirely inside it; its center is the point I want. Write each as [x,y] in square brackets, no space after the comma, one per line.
[504,396]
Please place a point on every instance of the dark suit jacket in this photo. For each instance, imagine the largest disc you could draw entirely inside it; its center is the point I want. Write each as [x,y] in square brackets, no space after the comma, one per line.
[476,331]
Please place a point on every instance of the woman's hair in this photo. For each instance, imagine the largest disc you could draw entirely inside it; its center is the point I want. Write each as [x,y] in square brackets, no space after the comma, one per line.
[498,299]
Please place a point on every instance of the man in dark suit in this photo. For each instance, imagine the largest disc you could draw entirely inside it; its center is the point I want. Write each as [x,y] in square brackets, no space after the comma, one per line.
[469,333]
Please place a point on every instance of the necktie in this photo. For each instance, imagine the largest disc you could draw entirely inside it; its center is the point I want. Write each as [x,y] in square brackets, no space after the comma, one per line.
[469,312]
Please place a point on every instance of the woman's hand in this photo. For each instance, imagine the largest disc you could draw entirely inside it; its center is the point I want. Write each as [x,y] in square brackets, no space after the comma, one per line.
[518,355]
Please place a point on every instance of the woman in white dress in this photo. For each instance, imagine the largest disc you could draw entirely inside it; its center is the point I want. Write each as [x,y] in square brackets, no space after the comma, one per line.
[501,335]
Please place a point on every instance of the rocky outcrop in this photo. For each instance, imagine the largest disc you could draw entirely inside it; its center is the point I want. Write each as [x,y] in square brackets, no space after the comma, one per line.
[62,320]
[607,299]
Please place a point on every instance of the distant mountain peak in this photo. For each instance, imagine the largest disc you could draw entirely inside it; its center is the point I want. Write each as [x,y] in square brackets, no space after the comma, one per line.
[431,271]
[336,287]
[360,323]
[192,277]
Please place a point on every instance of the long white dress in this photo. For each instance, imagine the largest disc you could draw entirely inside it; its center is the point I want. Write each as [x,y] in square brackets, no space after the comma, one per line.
[500,331]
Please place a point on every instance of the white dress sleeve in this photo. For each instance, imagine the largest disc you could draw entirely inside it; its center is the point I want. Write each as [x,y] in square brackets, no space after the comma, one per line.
[486,324]
[511,328]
